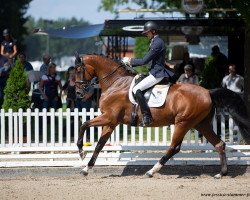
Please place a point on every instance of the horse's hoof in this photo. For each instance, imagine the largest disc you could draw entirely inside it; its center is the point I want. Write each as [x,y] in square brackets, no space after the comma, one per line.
[218,176]
[84,173]
[148,175]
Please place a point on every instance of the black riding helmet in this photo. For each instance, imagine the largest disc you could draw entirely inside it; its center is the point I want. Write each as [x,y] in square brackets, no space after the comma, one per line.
[149,26]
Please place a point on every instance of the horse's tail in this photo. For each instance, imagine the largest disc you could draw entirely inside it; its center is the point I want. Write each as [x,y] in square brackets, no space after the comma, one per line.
[233,103]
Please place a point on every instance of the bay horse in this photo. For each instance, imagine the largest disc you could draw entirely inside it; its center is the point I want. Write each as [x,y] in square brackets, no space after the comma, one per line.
[187,106]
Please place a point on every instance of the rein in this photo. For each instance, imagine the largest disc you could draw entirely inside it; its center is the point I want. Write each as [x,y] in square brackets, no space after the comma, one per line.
[103,78]
[88,84]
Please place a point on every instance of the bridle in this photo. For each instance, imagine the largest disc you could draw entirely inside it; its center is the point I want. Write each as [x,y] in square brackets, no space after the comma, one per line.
[84,85]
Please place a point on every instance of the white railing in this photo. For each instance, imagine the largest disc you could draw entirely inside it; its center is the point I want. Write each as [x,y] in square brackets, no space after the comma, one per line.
[39,136]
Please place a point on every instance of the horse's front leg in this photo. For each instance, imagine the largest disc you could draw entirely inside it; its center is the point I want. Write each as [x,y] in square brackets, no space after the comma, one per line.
[107,131]
[101,120]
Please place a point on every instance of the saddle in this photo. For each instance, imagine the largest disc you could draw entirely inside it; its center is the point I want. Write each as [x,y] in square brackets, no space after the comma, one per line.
[155,95]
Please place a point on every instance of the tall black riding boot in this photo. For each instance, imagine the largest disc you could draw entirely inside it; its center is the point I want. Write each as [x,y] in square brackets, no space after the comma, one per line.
[147,117]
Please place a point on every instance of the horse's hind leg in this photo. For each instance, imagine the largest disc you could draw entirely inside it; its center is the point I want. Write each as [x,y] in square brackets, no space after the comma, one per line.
[205,127]
[175,146]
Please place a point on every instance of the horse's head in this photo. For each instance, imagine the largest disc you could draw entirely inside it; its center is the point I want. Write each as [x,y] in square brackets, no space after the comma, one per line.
[84,73]
[90,66]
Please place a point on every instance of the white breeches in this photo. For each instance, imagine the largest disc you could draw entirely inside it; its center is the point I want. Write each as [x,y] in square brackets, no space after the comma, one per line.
[146,83]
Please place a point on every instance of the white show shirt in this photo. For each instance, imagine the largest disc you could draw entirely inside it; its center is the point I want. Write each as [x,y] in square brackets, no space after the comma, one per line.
[234,83]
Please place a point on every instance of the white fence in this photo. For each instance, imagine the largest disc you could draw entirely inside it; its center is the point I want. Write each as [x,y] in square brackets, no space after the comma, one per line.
[49,139]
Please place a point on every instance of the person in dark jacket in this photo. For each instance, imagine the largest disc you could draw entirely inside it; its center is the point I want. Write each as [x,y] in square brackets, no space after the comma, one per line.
[157,70]
[8,45]
[70,88]
[23,59]
[49,88]
[4,74]
[221,62]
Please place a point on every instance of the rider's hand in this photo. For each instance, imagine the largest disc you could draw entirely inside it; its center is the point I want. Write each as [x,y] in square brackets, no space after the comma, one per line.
[126,60]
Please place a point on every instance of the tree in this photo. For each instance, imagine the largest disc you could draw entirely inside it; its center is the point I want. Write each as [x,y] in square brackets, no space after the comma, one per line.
[140,50]
[13,17]
[210,77]
[16,92]
[141,46]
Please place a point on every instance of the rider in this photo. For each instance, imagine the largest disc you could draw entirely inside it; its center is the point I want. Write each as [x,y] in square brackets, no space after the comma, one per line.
[157,70]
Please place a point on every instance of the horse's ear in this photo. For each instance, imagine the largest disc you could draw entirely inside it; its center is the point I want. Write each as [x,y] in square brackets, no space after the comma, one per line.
[77,58]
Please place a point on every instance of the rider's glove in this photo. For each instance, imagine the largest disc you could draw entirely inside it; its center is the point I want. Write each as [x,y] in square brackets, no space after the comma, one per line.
[126,61]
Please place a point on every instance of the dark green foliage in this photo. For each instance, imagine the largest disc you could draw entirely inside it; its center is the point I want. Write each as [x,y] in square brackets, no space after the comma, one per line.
[141,47]
[16,90]
[12,17]
[140,50]
[210,78]
[244,10]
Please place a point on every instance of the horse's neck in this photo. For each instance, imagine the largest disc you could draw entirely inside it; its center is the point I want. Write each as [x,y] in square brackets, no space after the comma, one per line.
[108,74]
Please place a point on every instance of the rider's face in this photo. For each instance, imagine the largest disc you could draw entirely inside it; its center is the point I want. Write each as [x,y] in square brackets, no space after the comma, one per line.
[149,34]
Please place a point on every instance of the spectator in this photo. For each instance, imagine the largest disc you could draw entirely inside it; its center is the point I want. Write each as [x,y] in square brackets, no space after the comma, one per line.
[186,61]
[188,76]
[70,88]
[49,87]
[221,61]
[234,81]
[8,45]
[4,74]
[3,60]
[26,64]
[86,102]
[46,61]
[6,67]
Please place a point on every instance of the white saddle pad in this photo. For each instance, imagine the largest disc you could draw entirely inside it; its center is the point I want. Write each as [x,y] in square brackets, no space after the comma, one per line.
[157,97]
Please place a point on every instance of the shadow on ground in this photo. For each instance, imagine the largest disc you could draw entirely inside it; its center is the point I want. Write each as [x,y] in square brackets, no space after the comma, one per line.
[190,171]
[187,171]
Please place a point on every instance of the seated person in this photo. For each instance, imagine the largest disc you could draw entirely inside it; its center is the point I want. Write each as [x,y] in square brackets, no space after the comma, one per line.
[188,76]
[234,81]
[186,61]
